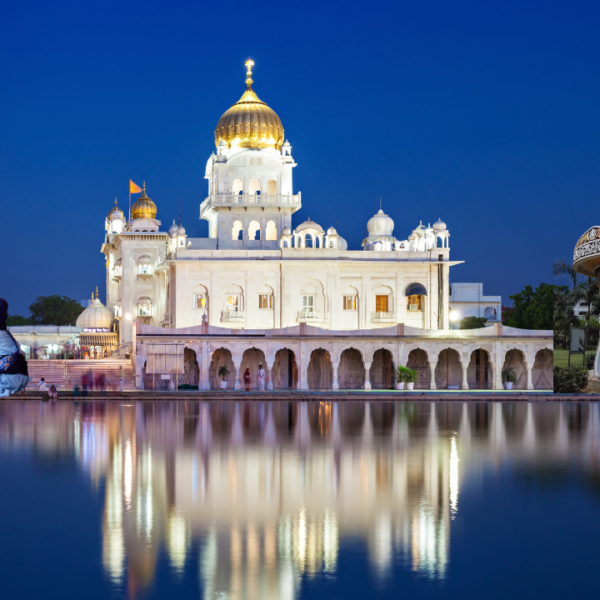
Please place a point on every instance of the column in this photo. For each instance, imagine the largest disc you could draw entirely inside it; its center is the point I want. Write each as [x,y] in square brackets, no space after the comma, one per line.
[204,382]
[465,382]
[270,363]
[529,376]
[303,378]
[334,384]
[433,361]
[367,376]
[237,363]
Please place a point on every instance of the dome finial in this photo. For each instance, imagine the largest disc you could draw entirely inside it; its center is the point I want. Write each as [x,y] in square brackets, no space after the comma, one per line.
[249,65]
[144,188]
[96,292]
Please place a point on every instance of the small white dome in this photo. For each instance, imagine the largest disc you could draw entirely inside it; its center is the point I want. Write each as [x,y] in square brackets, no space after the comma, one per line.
[439,225]
[286,231]
[180,230]
[332,231]
[144,260]
[95,316]
[173,229]
[428,229]
[380,224]
[309,225]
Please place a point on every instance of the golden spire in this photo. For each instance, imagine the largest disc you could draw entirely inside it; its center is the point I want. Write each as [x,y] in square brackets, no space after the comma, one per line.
[144,188]
[96,292]
[249,65]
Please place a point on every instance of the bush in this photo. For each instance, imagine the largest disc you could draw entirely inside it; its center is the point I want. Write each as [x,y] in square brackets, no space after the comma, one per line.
[472,322]
[570,380]
[589,362]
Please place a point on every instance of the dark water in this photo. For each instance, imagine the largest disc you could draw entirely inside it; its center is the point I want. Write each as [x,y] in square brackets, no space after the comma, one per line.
[299,500]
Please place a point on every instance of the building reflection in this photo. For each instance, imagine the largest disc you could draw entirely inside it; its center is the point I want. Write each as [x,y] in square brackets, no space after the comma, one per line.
[268,492]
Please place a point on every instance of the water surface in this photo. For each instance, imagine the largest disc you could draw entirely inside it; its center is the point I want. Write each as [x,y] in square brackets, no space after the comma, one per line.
[292,500]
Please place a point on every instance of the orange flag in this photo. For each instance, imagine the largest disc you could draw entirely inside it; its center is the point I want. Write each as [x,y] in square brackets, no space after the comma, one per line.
[133,188]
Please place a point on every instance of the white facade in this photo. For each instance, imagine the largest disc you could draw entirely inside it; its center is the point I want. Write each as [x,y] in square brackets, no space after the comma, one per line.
[468,300]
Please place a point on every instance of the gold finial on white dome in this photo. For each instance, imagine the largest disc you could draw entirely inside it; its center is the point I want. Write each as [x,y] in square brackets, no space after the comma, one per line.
[249,65]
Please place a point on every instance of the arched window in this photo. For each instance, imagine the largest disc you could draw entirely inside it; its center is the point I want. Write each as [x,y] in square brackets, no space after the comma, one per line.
[415,294]
[144,265]
[254,187]
[237,231]
[144,307]
[254,230]
[440,242]
[200,298]
[285,243]
[350,301]
[308,241]
[272,187]
[265,298]
[237,188]
[234,301]
[271,232]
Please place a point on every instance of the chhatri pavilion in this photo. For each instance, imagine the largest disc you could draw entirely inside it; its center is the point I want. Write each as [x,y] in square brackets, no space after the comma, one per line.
[269,287]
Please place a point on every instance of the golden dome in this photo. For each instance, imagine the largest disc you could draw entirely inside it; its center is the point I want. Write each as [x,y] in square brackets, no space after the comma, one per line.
[250,123]
[143,207]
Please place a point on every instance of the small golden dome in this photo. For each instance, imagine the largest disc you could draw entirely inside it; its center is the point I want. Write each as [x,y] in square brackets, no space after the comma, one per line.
[116,211]
[143,207]
[250,123]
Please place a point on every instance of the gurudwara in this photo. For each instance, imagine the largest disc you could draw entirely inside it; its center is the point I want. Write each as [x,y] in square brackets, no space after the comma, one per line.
[295,298]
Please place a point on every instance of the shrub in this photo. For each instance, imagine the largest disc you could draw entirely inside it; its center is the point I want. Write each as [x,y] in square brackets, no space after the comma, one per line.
[570,380]
[508,374]
[589,362]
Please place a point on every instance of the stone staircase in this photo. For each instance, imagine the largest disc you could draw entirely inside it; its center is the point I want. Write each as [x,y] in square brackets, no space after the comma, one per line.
[53,371]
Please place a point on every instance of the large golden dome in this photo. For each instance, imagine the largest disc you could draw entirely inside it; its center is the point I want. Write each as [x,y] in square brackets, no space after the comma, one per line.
[143,207]
[250,123]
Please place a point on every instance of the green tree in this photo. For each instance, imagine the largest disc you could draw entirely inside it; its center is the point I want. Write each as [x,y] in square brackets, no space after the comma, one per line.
[472,322]
[55,310]
[534,309]
[16,320]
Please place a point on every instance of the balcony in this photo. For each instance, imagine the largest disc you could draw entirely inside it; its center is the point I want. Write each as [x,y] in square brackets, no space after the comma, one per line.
[309,316]
[233,316]
[250,200]
[383,317]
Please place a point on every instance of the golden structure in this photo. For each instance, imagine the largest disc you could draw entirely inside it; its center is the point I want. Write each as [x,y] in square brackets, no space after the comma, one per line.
[250,123]
[143,207]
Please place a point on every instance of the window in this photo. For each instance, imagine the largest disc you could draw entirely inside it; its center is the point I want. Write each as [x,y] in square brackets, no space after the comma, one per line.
[272,187]
[350,302]
[271,232]
[308,305]
[415,302]
[381,304]
[237,231]
[145,269]
[233,303]
[265,301]
[144,310]
[200,301]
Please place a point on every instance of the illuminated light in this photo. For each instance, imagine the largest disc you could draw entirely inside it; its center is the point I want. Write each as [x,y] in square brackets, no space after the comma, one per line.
[454,483]
[128,317]
[454,316]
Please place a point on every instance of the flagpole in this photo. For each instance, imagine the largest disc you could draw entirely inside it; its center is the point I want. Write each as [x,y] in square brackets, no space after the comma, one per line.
[129,202]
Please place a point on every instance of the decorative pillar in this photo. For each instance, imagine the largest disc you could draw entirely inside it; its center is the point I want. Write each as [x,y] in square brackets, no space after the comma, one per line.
[334,384]
[433,361]
[303,379]
[270,363]
[237,363]
[367,376]
[205,358]
[529,377]
[465,381]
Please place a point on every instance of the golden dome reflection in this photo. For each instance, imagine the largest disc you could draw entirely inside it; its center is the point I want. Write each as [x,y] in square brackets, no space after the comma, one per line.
[143,207]
[250,123]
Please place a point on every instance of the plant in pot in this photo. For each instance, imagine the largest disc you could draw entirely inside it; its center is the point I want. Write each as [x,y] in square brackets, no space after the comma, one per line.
[400,381]
[410,376]
[224,375]
[509,377]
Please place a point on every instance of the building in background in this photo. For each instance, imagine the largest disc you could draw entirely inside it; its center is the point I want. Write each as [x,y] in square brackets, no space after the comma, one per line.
[468,300]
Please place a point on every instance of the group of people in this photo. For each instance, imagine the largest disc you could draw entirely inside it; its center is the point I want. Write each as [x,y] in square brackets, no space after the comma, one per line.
[14,376]
[260,378]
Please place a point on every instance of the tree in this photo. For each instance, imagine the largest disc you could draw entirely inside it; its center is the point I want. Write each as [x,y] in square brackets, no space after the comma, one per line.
[55,310]
[16,320]
[472,322]
[534,309]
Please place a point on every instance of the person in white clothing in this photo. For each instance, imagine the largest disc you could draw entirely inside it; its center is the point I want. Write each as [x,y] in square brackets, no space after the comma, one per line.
[261,377]
[42,385]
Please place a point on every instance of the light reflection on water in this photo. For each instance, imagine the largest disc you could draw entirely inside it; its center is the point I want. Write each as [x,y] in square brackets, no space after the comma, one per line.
[269,493]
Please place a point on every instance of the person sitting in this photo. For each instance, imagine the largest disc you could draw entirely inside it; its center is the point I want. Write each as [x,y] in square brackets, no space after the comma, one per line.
[14,376]
[247,379]
[53,393]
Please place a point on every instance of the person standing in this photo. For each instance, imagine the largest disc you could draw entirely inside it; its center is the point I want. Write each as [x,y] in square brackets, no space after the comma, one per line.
[121,379]
[14,377]
[261,377]
[247,379]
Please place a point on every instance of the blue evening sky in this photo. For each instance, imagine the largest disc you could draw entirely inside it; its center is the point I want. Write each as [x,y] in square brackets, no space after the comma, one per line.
[482,113]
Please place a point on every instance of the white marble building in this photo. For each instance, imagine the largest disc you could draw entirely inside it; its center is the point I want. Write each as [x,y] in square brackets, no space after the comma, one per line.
[468,300]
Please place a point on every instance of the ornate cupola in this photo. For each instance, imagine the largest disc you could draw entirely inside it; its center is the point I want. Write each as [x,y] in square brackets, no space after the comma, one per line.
[250,123]
[143,207]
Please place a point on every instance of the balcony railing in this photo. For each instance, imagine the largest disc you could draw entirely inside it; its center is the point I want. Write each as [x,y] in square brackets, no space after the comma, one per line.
[383,317]
[246,200]
[308,316]
[232,316]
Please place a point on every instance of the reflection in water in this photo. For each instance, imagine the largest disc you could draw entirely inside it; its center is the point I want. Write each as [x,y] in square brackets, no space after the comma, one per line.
[269,492]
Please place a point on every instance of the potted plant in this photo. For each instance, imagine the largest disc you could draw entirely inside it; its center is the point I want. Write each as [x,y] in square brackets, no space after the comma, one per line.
[400,370]
[508,377]
[410,376]
[224,375]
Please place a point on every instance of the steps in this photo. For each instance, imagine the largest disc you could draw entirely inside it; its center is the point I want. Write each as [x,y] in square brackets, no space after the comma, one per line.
[53,371]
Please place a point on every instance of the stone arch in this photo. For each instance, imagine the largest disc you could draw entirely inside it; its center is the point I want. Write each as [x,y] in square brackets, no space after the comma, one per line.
[271,187]
[381,373]
[284,373]
[418,359]
[254,231]
[191,369]
[237,187]
[271,231]
[254,187]
[221,357]
[251,358]
[237,231]
[351,370]
[448,371]
[480,375]
[320,370]
[515,359]
[542,374]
